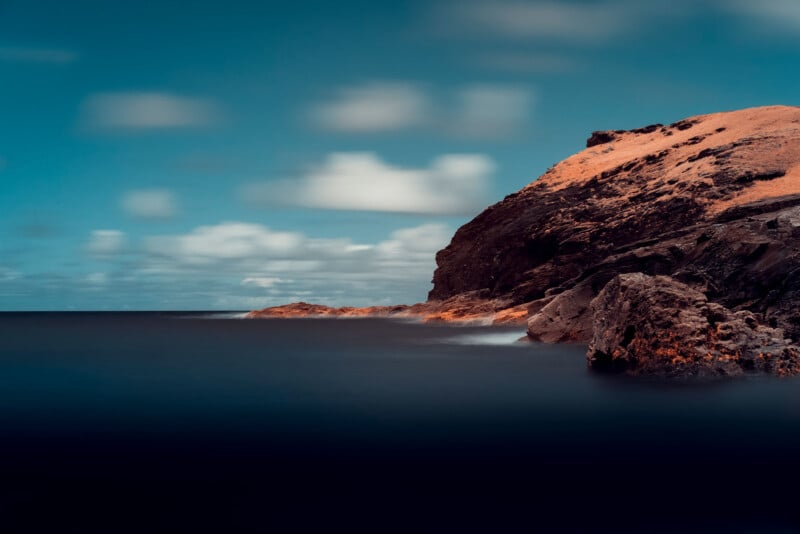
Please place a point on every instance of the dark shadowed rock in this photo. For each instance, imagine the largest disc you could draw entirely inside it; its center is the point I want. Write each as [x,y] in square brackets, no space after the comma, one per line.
[600,138]
[565,318]
[657,325]
[713,201]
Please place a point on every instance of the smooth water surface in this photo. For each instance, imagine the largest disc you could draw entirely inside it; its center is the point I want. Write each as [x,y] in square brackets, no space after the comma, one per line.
[136,422]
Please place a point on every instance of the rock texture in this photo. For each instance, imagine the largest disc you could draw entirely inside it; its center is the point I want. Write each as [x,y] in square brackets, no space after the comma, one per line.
[459,309]
[712,202]
[657,325]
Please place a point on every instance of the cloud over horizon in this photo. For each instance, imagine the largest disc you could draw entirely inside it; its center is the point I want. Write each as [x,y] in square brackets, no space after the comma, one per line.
[256,266]
[362,181]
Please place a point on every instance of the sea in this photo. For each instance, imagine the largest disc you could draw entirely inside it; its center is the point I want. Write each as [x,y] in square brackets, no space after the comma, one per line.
[206,422]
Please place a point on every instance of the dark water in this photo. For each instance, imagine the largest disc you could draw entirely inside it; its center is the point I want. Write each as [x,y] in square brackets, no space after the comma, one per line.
[149,423]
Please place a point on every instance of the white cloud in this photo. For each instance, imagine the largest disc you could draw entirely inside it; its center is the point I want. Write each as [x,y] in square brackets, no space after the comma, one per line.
[410,246]
[239,265]
[287,266]
[21,54]
[224,242]
[542,19]
[106,243]
[150,204]
[374,107]
[143,111]
[485,110]
[361,181]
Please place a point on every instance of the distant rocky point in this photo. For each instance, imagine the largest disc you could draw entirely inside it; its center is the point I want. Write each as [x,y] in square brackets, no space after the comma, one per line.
[706,210]
[459,309]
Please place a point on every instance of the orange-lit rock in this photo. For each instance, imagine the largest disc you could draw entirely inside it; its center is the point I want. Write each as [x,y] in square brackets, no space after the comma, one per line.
[712,201]
[460,309]
[657,325]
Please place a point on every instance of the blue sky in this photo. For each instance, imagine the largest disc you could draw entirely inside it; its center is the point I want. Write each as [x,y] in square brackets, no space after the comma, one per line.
[234,155]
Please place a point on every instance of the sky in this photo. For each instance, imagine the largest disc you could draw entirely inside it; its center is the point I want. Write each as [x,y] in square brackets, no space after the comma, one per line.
[235,155]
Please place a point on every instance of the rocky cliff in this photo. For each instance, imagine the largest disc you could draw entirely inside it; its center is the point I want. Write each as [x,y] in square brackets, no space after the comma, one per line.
[712,201]
[710,204]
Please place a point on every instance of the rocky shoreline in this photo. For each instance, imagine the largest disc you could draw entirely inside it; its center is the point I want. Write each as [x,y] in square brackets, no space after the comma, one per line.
[459,310]
[669,250]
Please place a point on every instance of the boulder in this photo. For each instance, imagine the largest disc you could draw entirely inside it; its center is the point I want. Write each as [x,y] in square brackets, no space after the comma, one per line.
[656,325]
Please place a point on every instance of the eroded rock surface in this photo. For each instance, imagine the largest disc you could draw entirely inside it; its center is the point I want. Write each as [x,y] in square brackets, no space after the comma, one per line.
[657,325]
[711,201]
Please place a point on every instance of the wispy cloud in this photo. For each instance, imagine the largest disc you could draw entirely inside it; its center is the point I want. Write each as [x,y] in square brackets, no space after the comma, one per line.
[270,257]
[537,19]
[225,242]
[150,204]
[491,111]
[374,107]
[96,279]
[482,110]
[783,14]
[21,54]
[240,264]
[147,111]
[105,243]
[361,181]
[264,282]
[8,275]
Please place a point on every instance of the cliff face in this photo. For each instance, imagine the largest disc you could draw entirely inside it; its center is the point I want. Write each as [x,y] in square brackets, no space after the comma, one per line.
[708,205]
[657,325]
[711,200]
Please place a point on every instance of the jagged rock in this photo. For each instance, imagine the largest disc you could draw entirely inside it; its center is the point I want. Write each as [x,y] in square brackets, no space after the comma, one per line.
[600,138]
[565,318]
[712,200]
[657,325]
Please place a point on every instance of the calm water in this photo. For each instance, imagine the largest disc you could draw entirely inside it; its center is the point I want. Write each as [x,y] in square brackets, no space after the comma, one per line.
[148,422]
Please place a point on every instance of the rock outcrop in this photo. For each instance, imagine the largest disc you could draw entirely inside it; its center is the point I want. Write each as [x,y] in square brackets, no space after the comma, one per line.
[712,202]
[459,309]
[659,326]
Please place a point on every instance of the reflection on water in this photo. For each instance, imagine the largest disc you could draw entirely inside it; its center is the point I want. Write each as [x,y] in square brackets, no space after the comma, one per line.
[516,338]
[198,422]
